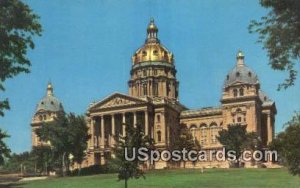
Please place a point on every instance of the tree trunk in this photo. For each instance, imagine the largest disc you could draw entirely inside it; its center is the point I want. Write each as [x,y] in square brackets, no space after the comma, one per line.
[79,170]
[63,164]
[46,168]
[126,183]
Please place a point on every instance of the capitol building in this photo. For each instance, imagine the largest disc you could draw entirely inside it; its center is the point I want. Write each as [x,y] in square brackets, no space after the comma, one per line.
[152,101]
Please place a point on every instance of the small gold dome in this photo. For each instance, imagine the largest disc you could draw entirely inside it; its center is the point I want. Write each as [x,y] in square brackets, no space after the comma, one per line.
[152,50]
[240,54]
[152,26]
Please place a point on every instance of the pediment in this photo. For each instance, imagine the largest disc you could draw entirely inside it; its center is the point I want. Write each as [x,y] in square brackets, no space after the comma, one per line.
[117,100]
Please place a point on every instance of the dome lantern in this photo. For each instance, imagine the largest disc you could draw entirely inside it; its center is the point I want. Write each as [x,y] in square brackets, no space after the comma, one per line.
[240,58]
[49,89]
[152,31]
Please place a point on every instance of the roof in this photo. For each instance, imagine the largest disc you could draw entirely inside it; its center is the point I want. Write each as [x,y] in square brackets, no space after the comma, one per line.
[207,111]
[50,103]
[266,101]
[241,74]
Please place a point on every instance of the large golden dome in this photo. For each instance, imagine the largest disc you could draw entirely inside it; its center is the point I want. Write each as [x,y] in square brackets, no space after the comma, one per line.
[152,50]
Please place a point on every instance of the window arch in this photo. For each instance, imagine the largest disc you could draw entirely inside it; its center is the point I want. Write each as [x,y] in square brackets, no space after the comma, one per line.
[241,92]
[203,133]
[158,118]
[213,132]
[145,89]
[158,136]
[240,116]
[193,126]
[213,124]
[235,93]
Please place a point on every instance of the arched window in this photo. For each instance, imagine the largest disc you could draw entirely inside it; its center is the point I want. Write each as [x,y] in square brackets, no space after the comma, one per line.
[155,52]
[145,89]
[44,117]
[213,132]
[239,116]
[158,136]
[193,127]
[235,92]
[155,89]
[158,118]
[40,118]
[203,133]
[144,53]
[241,92]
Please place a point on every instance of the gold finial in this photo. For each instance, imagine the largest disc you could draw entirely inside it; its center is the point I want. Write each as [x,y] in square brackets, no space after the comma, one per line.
[49,89]
[152,32]
[240,58]
[152,27]
[240,54]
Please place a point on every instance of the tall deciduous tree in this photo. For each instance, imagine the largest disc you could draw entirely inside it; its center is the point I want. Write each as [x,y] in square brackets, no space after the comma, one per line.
[134,139]
[42,157]
[236,138]
[4,150]
[79,138]
[287,144]
[18,25]
[56,133]
[279,32]
[185,141]
[67,134]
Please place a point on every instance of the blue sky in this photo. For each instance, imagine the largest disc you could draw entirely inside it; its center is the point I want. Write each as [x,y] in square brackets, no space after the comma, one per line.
[86,51]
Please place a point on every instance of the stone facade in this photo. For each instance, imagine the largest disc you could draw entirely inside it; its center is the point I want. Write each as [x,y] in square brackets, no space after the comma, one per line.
[153,103]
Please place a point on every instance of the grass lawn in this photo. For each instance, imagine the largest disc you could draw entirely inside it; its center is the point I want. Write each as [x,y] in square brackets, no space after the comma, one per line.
[229,178]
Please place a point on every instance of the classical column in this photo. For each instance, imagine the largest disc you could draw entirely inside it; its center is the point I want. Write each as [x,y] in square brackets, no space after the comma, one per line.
[146,123]
[92,132]
[102,137]
[113,133]
[123,124]
[270,129]
[134,119]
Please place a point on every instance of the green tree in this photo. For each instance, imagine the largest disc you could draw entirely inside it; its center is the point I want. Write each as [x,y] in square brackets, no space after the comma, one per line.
[57,134]
[236,138]
[134,139]
[20,163]
[42,157]
[67,134]
[287,143]
[279,32]
[18,25]
[78,138]
[185,141]
[4,150]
